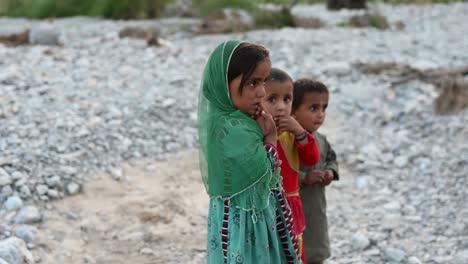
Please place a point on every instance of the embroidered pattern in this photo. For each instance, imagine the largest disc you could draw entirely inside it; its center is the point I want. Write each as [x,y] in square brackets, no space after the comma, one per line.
[224,230]
[283,230]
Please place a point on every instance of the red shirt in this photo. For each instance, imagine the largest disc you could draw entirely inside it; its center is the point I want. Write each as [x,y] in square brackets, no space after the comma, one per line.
[290,156]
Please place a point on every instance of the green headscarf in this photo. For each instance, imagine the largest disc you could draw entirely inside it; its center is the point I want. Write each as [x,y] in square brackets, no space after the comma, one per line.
[233,162]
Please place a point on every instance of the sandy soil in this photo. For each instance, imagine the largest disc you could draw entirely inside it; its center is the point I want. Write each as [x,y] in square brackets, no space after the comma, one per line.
[155,214]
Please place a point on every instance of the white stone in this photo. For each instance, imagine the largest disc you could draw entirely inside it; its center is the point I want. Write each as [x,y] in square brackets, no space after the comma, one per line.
[13,203]
[28,215]
[41,189]
[359,241]
[73,188]
[5,178]
[394,254]
[401,161]
[13,251]
[27,233]
[461,257]
[414,260]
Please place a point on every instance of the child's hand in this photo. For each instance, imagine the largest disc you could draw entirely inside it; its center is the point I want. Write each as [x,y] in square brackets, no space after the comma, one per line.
[267,125]
[288,123]
[328,177]
[314,176]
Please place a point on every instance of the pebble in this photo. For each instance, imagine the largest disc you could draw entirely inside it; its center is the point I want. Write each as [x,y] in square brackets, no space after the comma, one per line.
[394,255]
[27,233]
[28,215]
[13,203]
[359,241]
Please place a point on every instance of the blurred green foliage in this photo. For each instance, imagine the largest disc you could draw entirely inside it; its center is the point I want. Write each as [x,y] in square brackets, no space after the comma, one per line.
[140,9]
[117,9]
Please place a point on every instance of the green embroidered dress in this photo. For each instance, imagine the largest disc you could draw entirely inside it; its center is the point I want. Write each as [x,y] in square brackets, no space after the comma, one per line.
[249,220]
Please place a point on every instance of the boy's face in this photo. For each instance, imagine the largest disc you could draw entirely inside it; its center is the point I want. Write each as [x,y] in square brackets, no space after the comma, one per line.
[278,98]
[311,112]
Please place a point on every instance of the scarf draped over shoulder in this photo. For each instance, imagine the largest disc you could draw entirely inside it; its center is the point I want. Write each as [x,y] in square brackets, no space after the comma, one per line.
[233,161]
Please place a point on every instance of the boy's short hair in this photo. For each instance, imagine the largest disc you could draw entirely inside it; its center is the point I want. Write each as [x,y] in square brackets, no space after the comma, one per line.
[278,75]
[303,86]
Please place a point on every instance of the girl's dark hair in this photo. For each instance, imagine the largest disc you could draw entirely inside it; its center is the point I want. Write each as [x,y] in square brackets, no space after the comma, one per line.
[277,75]
[244,60]
[303,86]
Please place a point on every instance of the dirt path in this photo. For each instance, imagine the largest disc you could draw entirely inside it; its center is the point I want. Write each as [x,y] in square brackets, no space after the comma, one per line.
[155,214]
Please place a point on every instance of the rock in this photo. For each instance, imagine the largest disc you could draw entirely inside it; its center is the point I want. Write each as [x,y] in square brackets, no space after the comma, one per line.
[359,241]
[73,188]
[362,182]
[46,34]
[27,233]
[414,260]
[146,251]
[7,191]
[395,205]
[401,161]
[5,178]
[25,192]
[116,173]
[53,181]
[461,257]
[15,176]
[28,215]
[13,251]
[41,189]
[13,203]
[394,254]
[53,193]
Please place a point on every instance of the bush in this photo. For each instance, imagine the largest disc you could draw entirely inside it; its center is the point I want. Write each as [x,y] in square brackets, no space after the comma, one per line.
[274,18]
[208,7]
[369,20]
[120,9]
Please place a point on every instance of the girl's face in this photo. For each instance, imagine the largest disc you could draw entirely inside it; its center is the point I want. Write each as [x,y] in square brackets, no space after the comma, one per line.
[278,99]
[253,90]
[311,112]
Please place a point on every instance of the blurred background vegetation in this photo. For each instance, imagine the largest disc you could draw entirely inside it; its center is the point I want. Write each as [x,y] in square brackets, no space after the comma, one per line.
[140,9]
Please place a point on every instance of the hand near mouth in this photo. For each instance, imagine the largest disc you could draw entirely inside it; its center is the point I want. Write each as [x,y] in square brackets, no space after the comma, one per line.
[288,123]
[267,126]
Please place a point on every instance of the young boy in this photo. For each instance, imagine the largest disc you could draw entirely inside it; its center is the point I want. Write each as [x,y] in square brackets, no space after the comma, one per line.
[310,103]
[295,145]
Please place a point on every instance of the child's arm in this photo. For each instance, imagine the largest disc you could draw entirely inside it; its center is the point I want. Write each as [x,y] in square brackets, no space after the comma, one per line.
[309,153]
[331,165]
[331,162]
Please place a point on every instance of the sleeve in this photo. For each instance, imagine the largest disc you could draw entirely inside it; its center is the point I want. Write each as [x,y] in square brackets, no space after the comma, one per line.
[309,154]
[331,162]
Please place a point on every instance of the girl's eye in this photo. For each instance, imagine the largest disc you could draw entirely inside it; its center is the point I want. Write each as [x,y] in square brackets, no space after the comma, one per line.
[287,100]
[272,99]
[253,83]
[313,109]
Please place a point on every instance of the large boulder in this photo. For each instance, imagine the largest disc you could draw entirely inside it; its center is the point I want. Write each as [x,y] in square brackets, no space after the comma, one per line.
[13,251]
[45,34]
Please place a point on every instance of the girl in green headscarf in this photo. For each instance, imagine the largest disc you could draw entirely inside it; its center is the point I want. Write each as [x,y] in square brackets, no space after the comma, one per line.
[249,220]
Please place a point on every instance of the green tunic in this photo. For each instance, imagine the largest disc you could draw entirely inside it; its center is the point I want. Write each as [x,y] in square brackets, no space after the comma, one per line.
[316,241]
